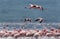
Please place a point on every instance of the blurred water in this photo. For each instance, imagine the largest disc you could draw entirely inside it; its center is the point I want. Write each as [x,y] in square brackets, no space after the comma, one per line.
[28,25]
[15,11]
[31,38]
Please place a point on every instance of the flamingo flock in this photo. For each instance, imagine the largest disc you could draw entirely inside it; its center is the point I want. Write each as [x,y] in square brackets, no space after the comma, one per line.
[29,33]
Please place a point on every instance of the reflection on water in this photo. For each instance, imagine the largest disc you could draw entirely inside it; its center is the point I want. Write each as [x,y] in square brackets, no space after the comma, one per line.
[31,38]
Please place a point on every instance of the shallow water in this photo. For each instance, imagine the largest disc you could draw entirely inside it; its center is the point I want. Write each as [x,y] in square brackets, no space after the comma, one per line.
[31,38]
[29,25]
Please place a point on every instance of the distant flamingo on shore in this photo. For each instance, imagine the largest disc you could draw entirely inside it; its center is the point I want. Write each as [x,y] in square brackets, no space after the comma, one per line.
[29,33]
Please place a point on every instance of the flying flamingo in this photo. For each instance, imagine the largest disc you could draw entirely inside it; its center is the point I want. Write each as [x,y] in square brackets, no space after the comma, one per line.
[32,6]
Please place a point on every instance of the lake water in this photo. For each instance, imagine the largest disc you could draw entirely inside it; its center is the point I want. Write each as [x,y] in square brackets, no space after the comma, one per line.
[15,11]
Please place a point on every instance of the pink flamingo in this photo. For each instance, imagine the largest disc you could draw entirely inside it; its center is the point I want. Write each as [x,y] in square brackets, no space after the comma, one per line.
[19,34]
[2,33]
[29,33]
[35,6]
